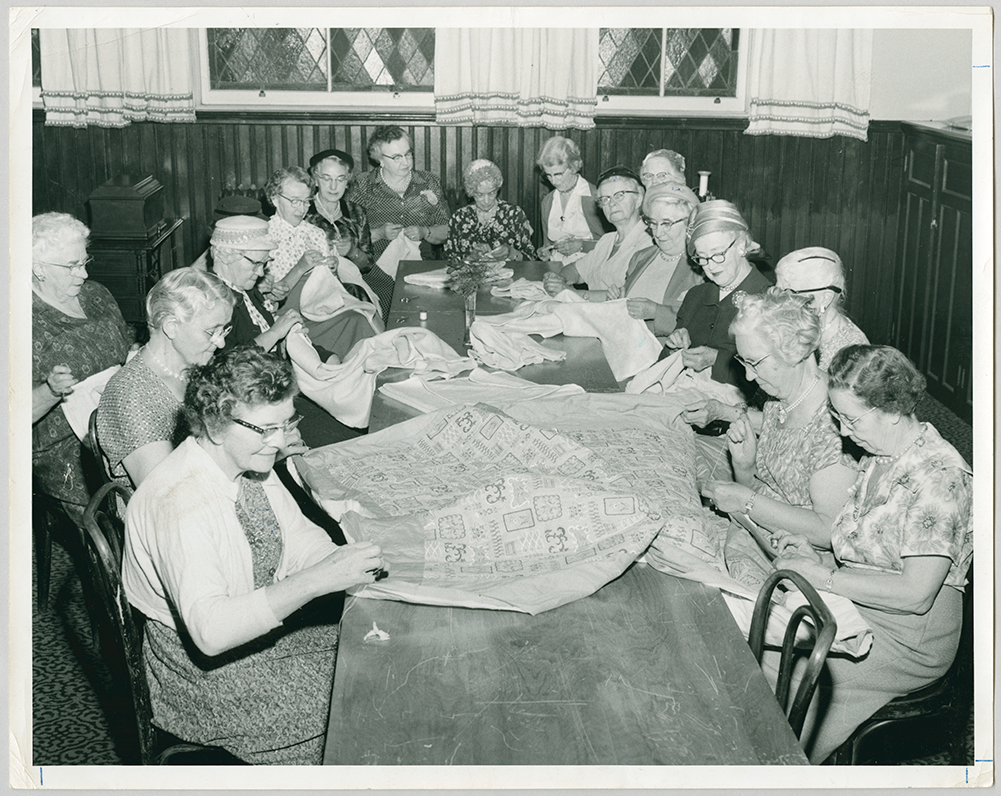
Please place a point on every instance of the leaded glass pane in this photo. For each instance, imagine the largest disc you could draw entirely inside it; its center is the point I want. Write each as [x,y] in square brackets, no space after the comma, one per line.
[389,59]
[630,60]
[286,59]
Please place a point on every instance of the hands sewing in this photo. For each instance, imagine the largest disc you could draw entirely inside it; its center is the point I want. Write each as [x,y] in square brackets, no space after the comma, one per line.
[60,381]
[554,283]
[796,553]
[727,496]
[697,358]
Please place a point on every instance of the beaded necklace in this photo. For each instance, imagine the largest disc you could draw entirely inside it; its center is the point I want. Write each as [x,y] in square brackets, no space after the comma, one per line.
[785,410]
[161,365]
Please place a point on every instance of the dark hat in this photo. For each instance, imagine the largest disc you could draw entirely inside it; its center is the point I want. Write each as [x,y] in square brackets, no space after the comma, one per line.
[237,205]
[618,171]
[332,153]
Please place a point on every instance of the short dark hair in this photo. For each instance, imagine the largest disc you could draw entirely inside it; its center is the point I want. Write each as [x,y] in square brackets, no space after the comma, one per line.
[879,375]
[243,374]
[385,135]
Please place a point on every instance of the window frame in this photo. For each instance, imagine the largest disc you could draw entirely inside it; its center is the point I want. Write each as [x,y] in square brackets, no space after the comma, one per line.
[609,105]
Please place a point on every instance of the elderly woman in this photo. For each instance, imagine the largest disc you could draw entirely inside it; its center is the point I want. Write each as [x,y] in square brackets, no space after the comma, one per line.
[658,278]
[345,223]
[793,477]
[570,220]
[399,198]
[818,273]
[718,242]
[900,549]
[77,330]
[490,228]
[220,560]
[139,418]
[620,197]
[660,166]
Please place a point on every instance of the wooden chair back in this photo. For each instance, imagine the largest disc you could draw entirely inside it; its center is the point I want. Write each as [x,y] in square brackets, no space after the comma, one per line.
[825,629]
[91,443]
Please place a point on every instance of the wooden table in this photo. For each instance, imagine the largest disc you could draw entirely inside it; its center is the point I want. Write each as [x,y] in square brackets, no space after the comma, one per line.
[585,363]
[650,670]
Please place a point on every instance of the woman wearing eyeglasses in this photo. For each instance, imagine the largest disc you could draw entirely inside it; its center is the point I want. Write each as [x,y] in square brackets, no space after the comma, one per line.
[819,274]
[660,166]
[620,197]
[399,198]
[77,330]
[900,548]
[220,560]
[139,419]
[792,476]
[571,223]
[658,277]
[718,242]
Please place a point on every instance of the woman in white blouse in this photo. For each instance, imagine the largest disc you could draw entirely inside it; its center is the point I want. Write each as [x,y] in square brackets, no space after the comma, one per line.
[570,221]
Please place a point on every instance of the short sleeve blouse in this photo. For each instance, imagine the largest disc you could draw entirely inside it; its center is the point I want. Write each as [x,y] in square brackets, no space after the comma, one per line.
[921,506]
[509,226]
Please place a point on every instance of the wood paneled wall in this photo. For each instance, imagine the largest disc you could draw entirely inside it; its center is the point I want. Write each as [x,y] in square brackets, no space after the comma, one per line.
[841,193]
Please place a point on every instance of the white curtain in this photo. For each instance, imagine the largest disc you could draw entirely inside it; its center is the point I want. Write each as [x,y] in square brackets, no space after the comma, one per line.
[527,77]
[111,77]
[813,83]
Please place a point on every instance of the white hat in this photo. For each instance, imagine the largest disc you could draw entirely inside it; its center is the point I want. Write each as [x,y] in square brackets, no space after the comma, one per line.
[246,233]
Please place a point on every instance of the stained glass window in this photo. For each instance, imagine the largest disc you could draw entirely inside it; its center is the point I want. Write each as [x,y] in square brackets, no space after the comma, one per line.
[690,62]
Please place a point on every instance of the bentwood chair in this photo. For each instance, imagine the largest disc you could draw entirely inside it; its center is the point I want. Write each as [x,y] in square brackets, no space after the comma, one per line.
[123,650]
[825,628]
[93,447]
[924,722]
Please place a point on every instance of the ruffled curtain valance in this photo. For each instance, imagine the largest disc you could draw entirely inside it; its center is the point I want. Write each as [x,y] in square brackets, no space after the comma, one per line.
[525,77]
[111,77]
[813,83]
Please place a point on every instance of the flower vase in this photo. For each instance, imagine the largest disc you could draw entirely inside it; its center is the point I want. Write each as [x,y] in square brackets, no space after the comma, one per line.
[470,306]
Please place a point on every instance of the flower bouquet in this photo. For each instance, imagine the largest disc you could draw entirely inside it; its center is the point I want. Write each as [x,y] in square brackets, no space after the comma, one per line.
[465,277]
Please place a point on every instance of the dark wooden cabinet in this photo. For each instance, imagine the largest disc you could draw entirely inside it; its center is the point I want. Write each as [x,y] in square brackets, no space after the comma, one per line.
[129,267]
[934,290]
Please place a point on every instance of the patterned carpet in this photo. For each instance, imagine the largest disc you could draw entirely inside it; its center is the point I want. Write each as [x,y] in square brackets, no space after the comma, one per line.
[81,718]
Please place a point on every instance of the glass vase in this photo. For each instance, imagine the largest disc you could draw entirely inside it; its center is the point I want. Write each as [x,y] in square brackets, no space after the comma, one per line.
[469,301]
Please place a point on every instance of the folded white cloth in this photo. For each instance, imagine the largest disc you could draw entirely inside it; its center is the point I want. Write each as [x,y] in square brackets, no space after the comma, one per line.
[78,405]
[428,392]
[507,350]
[671,376]
[521,289]
[400,248]
[324,297]
[346,389]
[439,277]
[628,344]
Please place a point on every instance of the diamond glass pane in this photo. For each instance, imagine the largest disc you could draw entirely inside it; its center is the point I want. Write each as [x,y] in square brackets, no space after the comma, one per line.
[387,59]
[36,59]
[286,59]
[697,62]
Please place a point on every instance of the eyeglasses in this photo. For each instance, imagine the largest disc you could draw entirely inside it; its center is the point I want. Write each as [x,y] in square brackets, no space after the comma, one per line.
[660,176]
[262,263]
[833,288]
[556,175]
[69,266]
[223,332]
[750,365]
[716,258]
[618,196]
[294,202]
[268,434]
[848,422]
[340,180]
[400,158]
[656,225]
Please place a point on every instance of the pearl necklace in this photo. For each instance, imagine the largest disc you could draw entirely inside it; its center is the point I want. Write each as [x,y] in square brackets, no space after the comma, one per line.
[668,257]
[785,410]
[162,366]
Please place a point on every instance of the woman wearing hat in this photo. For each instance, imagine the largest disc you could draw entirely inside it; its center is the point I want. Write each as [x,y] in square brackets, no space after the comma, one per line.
[620,196]
[657,278]
[490,227]
[718,242]
[818,273]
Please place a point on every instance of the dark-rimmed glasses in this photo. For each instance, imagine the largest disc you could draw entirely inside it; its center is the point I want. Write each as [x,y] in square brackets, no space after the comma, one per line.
[716,258]
[833,288]
[656,225]
[270,432]
[618,196]
[400,158]
[262,263]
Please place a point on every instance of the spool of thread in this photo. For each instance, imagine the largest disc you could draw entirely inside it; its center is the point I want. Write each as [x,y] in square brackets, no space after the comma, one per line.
[424,315]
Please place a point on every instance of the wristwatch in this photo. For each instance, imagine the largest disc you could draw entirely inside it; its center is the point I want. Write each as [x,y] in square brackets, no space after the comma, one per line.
[829,583]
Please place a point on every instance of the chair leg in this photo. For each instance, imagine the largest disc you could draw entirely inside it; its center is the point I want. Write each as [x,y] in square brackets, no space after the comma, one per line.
[41,527]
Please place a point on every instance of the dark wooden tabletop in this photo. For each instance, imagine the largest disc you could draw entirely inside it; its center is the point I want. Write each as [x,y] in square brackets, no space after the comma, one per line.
[649,670]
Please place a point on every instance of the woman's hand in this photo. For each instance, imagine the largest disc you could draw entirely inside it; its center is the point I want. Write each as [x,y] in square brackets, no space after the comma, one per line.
[614,292]
[60,381]
[501,252]
[679,338]
[415,233]
[641,308]
[727,496]
[795,545]
[349,565]
[545,253]
[386,232]
[293,444]
[554,283]
[700,357]
[742,442]
[810,568]
[276,291]
[286,322]
[342,246]
[568,246]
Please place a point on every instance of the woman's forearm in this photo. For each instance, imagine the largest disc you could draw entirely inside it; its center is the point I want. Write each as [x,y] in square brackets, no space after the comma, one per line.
[437,234]
[269,339]
[913,591]
[774,515]
[43,400]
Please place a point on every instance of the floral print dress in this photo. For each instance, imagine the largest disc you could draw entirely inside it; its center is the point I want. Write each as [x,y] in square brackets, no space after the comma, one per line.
[508,225]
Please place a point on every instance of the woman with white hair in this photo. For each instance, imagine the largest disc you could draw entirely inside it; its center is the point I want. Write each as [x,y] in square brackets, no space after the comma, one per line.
[139,417]
[77,330]
[489,228]
[819,274]
[571,224]
[660,166]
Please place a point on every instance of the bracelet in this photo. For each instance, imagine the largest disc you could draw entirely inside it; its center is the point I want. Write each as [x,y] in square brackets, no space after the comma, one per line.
[750,504]
[587,295]
[829,583]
